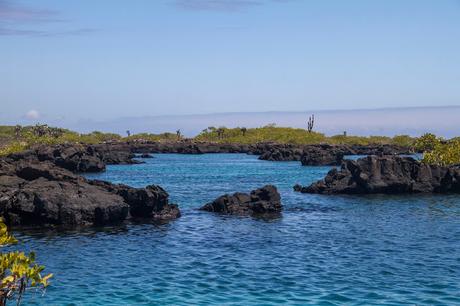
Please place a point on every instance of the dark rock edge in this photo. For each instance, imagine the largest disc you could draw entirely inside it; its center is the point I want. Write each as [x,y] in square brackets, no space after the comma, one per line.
[386,175]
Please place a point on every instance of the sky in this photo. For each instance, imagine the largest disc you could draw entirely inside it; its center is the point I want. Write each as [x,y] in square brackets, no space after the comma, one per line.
[63,61]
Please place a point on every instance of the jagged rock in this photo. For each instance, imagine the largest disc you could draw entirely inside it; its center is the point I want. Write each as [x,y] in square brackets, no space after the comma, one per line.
[79,157]
[377,149]
[389,175]
[76,158]
[281,153]
[94,158]
[265,200]
[321,154]
[40,193]
[149,202]
[321,158]
[297,187]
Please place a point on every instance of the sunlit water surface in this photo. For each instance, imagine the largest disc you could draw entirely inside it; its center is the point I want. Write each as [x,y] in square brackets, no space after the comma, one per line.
[324,250]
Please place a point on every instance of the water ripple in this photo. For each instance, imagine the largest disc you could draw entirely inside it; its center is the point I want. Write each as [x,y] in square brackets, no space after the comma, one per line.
[386,250]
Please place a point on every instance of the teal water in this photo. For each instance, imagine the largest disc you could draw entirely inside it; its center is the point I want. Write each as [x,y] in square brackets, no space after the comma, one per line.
[324,250]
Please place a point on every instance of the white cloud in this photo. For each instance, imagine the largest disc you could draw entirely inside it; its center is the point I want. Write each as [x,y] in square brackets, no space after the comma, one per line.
[32,114]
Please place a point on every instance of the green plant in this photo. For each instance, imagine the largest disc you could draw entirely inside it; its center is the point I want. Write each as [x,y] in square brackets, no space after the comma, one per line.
[427,142]
[403,140]
[13,147]
[310,123]
[267,133]
[18,271]
[443,154]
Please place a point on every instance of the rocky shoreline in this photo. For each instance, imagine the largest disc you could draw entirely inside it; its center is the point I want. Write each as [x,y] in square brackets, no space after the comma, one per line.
[93,158]
[42,187]
[387,175]
[36,190]
[325,154]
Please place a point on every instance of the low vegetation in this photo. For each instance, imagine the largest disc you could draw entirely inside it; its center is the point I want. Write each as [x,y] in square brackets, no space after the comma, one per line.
[18,271]
[17,138]
[272,133]
[269,133]
[154,137]
[436,150]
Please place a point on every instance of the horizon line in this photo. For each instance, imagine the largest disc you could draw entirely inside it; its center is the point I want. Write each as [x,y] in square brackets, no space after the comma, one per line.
[292,111]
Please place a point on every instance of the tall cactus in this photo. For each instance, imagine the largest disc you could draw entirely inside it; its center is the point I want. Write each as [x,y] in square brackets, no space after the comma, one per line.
[310,123]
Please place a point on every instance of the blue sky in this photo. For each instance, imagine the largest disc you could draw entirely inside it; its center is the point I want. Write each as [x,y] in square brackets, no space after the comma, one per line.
[108,59]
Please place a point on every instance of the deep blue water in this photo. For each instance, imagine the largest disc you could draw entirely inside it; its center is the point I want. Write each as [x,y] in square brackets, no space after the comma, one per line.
[324,250]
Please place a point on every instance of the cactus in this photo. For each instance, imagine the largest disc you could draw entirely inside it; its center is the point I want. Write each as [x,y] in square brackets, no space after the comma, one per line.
[40,130]
[178,134]
[244,130]
[311,123]
[17,131]
[220,133]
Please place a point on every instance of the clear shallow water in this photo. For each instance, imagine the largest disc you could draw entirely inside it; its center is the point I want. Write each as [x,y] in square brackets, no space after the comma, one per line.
[324,250]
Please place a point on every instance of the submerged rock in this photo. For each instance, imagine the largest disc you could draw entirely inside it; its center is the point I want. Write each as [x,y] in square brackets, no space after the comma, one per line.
[265,200]
[388,175]
[146,155]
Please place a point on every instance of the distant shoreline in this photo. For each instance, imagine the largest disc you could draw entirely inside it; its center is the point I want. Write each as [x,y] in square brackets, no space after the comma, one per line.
[413,121]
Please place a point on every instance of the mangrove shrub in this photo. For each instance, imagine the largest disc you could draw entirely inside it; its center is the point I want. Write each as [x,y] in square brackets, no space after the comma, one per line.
[18,270]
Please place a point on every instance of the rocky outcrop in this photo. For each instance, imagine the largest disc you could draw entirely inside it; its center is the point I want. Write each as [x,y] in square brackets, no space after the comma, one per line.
[78,157]
[388,175]
[182,147]
[375,149]
[281,153]
[40,193]
[262,201]
[270,150]
[149,202]
[94,158]
[323,155]
[318,158]
[115,154]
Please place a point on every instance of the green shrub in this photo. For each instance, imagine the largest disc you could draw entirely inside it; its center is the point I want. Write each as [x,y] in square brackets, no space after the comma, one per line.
[13,147]
[18,270]
[403,140]
[43,134]
[268,133]
[151,137]
[443,154]
[427,142]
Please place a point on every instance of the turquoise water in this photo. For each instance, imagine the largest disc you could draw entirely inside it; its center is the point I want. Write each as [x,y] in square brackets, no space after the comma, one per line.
[324,250]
